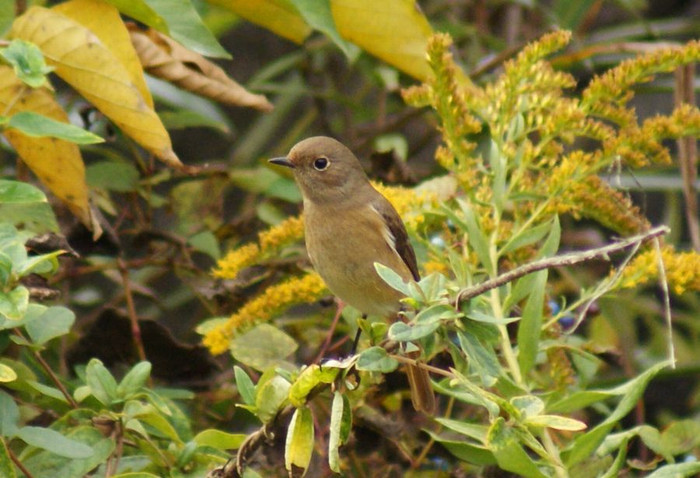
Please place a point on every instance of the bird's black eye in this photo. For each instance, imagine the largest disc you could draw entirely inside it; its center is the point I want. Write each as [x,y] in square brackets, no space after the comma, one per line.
[321,164]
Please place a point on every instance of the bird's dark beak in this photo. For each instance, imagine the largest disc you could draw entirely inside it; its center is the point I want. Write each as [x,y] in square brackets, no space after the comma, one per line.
[283,161]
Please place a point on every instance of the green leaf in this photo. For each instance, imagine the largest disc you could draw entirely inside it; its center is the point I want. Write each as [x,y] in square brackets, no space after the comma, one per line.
[54,442]
[526,237]
[206,243]
[472,430]
[307,380]
[300,441]
[466,451]
[44,389]
[186,26]
[262,347]
[9,415]
[27,61]
[584,445]
[681,437]
[477,239]
[270,396]
[102,384]
[677,470]
[245,385]
[481,357]
[135,474]
[183,119]
[529,330]
[38,126]
[48,464]
[220,440]
[394,280]
[7,468]
[341,424]
[13,304]
[7,374]
[118,176]
[141,11]
[510,455]
[556,422]
[22,203]
[43,264]
[317,13]
[134,380]
[402,332]
[376,359]
[55,322]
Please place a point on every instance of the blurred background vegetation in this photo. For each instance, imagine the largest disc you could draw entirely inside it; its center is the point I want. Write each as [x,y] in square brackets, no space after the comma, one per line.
[165,229]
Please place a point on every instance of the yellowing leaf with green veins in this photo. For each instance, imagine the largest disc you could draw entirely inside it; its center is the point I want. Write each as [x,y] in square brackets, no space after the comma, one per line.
[278,16]
[86,63]
[103,20]
[395,31]
[7,374]
[300,442]
[57,163]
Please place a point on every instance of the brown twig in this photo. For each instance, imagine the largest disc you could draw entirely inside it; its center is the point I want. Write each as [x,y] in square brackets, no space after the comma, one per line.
[18,463]
[44,365]
[688,155]
[557,261]
[135,328]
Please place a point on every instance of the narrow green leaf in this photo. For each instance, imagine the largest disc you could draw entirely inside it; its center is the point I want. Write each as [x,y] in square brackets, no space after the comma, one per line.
[186,26]
[677,470]
[102,384]
[245,385]
[7,374]
[134,380]
[300,441]
[584,445]
[307,380]
[466,451]
[526,237]
[270,397]
[220,440]
[499,167]
[13,304]
[472,430]
[509,453]
[341,424]
[44,389]
[529,330]
[139,10]
[556,422]
[9,415]
[376,359]
[476,237]
[402,332]
[392,278]
[317,13]
[37,126]
[481,357]
[56,443]
[117,176]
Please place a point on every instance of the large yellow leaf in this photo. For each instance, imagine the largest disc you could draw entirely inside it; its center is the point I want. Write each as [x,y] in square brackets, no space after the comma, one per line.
[83,61]
[103,20]
[394,30]
[56,163]
[278,16]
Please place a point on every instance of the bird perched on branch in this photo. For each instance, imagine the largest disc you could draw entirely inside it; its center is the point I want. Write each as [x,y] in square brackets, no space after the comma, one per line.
[348,227]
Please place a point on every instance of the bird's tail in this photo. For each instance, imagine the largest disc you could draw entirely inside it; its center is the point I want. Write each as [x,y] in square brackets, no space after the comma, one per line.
[422,394]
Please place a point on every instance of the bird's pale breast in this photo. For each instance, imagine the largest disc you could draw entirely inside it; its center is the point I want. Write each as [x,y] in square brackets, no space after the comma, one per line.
[343,246]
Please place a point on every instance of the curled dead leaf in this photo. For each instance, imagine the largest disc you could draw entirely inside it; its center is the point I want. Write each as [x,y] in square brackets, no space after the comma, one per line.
[165,58]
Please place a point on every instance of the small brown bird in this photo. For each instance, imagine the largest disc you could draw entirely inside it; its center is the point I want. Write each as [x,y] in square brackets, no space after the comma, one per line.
[348,227]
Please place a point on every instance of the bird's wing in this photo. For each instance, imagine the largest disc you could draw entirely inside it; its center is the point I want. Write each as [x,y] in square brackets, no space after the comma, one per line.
[398,233]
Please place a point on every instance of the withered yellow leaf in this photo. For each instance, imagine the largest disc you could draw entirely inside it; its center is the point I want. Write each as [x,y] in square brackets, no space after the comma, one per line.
[103,20]
[57,163]
[83,61]
[278,16]
[167,59]
[394,30]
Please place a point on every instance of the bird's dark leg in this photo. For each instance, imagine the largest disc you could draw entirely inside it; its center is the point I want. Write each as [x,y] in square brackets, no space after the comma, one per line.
[327,342]
[357,338]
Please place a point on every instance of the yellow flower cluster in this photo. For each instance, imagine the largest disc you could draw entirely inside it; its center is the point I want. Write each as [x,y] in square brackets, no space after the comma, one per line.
[274,300]
[411,204]
[270,242]
[682,270]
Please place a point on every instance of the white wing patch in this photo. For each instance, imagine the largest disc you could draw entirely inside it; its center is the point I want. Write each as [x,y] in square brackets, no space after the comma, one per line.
[386,232]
